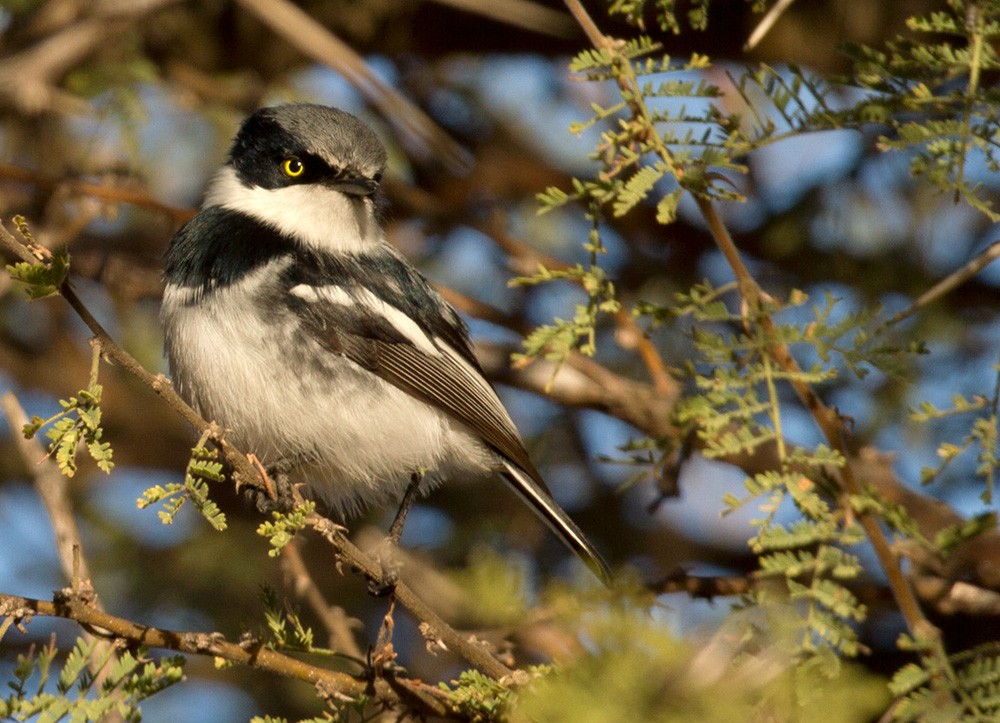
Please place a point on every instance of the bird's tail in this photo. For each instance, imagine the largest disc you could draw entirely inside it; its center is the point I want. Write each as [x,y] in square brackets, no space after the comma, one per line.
[556,518]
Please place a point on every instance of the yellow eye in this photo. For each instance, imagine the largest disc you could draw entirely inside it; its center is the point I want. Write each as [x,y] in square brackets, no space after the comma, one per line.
[293,167]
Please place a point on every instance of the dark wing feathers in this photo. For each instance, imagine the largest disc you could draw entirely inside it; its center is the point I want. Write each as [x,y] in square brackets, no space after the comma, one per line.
[444,383]
[446,376]
[441,380]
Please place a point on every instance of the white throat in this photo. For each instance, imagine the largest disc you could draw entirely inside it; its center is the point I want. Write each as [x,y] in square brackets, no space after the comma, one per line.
[316,216]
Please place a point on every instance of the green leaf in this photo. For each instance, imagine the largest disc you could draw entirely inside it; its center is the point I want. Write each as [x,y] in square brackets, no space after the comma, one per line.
[42,278]
[283,527]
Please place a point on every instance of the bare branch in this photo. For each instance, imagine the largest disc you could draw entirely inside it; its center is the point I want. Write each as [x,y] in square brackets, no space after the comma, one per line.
[948,283]
[28,79]
[768,21]
[338,625]
[104,191]
[52,487]
[521,13]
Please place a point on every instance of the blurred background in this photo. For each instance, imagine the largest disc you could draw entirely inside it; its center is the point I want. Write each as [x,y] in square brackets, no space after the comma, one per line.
[113,116]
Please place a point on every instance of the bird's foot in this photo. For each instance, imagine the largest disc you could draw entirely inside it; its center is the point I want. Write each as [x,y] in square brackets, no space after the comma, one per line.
[278,492]
[386,554]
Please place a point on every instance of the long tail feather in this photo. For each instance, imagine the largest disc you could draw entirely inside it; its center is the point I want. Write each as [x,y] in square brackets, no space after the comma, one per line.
[556,518]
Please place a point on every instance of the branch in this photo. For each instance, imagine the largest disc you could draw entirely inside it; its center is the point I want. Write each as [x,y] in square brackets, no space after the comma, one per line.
[829,422]
[251,653]
[104,191]
[765,25]
[244,473]
[520,13]
[53,490]
[526,260]
[585,383]
[707,587]
[438,631]
[947,284]
[29,78]
[338,625]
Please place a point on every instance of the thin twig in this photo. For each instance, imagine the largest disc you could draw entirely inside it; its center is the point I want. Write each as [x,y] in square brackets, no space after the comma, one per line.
[947,284]
[52,488]
[104,191]
[521,13]
[768,21]
[633,336]
[528,259]
[439,630]
[337,623]
[594,34]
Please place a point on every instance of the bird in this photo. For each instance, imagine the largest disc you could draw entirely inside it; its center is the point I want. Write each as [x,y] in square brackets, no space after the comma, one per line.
[291,321]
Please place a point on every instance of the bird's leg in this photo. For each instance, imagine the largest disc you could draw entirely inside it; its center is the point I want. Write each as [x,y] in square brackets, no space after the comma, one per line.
[396,529]
[278,494]
[386,557]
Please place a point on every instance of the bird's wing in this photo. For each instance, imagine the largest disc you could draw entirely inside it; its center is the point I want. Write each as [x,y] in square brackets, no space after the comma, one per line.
[395,346]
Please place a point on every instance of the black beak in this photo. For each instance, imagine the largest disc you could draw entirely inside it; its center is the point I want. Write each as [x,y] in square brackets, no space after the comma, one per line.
[359,186]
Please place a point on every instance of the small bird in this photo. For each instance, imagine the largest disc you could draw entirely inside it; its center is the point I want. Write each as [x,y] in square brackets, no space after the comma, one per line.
[290,321]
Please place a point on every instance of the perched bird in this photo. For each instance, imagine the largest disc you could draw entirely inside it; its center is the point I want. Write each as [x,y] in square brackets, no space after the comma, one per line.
[290,321]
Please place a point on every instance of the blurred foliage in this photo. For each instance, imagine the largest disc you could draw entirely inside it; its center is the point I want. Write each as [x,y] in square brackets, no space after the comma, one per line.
[79,693]
[635,668]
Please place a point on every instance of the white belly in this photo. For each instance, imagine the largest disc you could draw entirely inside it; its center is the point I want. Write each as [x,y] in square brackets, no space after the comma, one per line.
[288,398]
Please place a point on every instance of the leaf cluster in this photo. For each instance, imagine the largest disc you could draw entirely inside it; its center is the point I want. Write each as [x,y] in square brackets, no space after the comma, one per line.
[633,663]
[286,631]
[78,422]
[662,136]
[926,94]
[664,11]
[77,692]
[555,341]
[203,467]
[982,438]
[283,526]
[928,691]
[738,408]
[478,697]
[42,278]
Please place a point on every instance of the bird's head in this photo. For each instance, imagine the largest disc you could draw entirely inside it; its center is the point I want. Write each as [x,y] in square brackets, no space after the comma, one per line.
[308,170]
